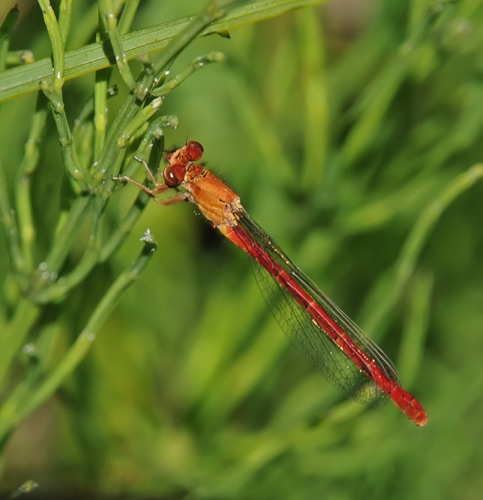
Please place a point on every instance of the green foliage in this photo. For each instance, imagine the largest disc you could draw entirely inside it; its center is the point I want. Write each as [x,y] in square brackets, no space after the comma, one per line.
[357,146]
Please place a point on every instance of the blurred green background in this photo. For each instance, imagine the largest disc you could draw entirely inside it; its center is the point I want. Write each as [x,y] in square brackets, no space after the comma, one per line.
[352,132]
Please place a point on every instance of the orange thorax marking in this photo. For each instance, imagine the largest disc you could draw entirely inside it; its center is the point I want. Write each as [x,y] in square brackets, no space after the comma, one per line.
[213,197]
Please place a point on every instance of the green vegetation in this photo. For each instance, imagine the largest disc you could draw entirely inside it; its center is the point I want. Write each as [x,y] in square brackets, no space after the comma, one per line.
[354,137]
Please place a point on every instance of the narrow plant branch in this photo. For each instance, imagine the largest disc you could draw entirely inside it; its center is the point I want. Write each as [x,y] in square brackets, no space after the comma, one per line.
[65,235]
[92,58]
[9,221]
[23,194]
[57,44]
[196,64]
[65,19]
[22,401]
[5,30]
[15,334]
[415,242]
[108,16]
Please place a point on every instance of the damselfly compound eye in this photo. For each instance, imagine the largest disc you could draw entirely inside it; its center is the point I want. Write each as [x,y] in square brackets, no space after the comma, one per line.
[194,150]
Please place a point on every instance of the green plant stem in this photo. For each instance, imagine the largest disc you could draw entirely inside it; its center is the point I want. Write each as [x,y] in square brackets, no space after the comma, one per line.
[23,401]
[108,16]
[215,10]
[15,334]
[196,64]
[5,31]
[131,118]
[52,87]
[125,227]
[113,154]
[10,223]
[57,290]
[100,110]
[65,235]
[414,244]
[417,238]
[17,81]
[127,16]
[97,251]
[65,19]
[110,161]
[65,138]
[24,184]
[138,121]
[57,44]
[82,133]
[415,328]
[154,132]
[20,57]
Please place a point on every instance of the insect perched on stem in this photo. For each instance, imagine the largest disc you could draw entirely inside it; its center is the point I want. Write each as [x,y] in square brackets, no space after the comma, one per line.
[333,344]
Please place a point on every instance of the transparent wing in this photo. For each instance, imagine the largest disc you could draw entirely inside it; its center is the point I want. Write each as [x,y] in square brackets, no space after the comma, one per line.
[308,330]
